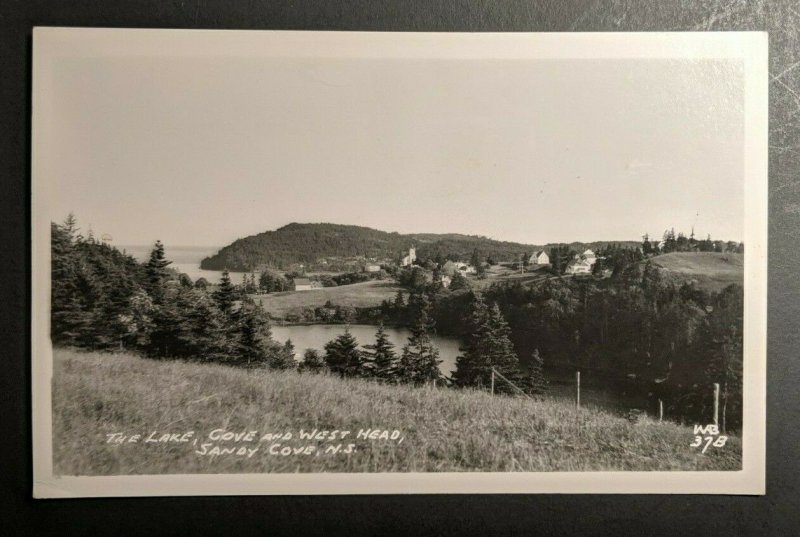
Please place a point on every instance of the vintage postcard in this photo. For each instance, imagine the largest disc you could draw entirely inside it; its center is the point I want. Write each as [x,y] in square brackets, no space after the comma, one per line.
[364,263]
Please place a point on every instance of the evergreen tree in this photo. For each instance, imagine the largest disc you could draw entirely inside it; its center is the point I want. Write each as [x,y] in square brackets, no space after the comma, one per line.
[312,362]
[647,248]
[253,344]
[202,333]
[488,345]
[533,381]
[419,362]
[156,271]
[380,359]
[342,355]
[225,294]
[472,366]
[459,282]
[475,259]
[502,355]
[284,358]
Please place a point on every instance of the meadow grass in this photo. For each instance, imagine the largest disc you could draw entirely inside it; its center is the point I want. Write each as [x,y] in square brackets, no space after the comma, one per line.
[442,430]
[711,270]
[358,295]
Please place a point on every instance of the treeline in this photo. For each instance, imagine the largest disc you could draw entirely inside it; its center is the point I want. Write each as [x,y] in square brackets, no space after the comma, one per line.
[274,282]
[638,329]
[103,300]
[342,246]
[672,242]
[417,363]
[487,348]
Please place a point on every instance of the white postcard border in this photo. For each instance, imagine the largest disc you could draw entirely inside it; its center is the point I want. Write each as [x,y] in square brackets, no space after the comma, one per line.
[51,44]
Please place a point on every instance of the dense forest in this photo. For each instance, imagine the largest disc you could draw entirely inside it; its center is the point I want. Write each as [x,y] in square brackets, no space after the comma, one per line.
[638,330]
[309,244]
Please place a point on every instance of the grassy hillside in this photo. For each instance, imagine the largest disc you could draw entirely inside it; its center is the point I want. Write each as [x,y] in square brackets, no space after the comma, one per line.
[711,270]
[438,429]
[357,295]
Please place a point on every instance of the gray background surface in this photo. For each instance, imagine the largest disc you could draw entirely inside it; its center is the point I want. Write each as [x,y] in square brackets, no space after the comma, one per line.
[774,514]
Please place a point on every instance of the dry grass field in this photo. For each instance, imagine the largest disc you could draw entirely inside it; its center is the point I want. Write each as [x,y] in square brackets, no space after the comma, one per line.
[437,429]
[711,270]
[359,295]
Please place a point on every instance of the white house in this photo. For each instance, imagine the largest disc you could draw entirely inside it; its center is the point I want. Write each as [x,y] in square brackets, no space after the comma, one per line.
[410,258]
[579,266]
[372,268]
[589,256]
[539,258]
[302,284]
[445,281]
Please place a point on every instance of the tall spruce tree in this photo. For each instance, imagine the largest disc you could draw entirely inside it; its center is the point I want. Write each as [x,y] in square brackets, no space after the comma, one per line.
[284,358]
[380,357]
[488,346]
[252,337]
[472,365]
[225,294]
[201,333]
[343,357]
[419,362]
[503,357]
[156,272]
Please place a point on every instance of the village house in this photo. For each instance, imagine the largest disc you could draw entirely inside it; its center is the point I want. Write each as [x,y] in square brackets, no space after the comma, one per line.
[582,264]
[302,284]
[372,268]
[465,268]
[539,258]
[410,258]
[579,266]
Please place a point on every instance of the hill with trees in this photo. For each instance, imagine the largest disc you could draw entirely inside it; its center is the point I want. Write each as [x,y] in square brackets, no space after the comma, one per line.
[309,244]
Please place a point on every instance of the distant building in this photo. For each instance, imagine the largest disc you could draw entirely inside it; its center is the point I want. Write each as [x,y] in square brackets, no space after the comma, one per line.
[539,258]
[582,264]
[372,268]
[579,266]
[302,284]
[410,258]
[445,280]
[464,268]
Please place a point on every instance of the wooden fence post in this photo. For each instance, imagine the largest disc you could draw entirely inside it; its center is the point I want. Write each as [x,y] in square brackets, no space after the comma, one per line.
[577,389]
[492,381]
[716,403]
[660,410]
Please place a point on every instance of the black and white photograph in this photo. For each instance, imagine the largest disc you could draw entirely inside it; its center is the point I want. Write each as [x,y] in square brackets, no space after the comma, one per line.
[300,262]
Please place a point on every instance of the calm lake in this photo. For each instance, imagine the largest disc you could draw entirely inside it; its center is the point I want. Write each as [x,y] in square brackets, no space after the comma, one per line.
[315,336]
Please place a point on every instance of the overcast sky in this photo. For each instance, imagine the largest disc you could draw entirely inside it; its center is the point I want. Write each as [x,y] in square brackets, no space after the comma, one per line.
[202,151]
